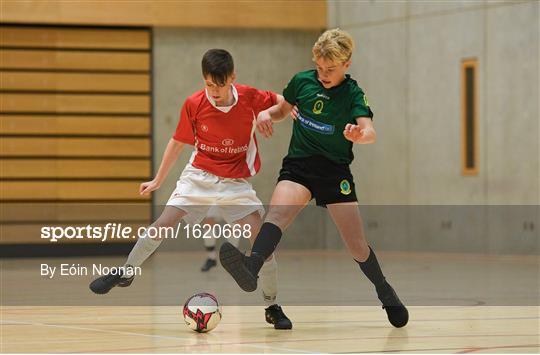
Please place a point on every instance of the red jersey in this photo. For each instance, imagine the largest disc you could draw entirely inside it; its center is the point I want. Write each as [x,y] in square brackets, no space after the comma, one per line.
[225,142]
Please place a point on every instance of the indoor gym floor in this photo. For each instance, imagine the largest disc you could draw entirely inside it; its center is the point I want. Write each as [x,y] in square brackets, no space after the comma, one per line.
[458,304]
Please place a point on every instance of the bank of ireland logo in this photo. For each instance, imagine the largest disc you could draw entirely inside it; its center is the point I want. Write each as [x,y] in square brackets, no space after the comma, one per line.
[227,142]
[345,187]
[318,107]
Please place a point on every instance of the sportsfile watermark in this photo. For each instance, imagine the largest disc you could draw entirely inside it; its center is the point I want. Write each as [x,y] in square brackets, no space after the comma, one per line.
[432,255]
[119,231]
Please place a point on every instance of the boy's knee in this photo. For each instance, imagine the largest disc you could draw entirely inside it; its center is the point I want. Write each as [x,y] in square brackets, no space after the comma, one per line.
[163,222]
[162,229]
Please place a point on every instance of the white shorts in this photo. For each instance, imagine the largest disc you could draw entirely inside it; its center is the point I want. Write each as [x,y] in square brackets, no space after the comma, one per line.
[197,191]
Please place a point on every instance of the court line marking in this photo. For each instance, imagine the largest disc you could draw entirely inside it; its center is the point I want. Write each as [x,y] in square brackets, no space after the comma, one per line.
[475,349]
[319,321]
[517,346]
[376,351]
[154,336]
[179,338]
[253,344]
[323,339]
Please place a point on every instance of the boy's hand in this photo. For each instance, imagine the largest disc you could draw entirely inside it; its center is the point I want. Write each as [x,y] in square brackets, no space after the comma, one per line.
[294,112]
[359,135]
[264,124]
[147,187]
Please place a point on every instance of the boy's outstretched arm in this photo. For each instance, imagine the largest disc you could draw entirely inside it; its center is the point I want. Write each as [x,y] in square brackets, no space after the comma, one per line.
[276,113]
[172,152]
[361,133]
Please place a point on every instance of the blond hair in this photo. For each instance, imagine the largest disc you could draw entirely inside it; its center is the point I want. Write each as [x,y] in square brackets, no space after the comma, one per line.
[334,45]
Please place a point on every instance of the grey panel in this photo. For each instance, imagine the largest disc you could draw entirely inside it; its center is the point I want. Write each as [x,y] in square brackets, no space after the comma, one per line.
[380,169]
[439,7]
[358,13]
[436,47]
[512,117]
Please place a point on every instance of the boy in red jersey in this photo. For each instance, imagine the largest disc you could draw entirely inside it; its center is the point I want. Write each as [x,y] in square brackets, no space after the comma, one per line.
[220,121]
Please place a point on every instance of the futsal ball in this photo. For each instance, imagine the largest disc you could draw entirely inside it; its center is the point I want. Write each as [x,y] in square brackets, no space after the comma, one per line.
[202,312]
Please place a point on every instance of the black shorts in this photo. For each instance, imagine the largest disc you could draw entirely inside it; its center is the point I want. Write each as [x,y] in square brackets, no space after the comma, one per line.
[327,181]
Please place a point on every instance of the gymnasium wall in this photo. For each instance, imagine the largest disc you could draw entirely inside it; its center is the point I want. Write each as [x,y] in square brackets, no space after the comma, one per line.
[75,106]
[249,14]
[393,203]
[408,60]
[77,94]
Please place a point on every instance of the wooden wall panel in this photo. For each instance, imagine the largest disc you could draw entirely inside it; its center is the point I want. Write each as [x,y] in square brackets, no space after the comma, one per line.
[74,60]
[70,190]
[87,38]
[74,147]
[75,127]
[20,212]
[74,168]
[274,14]
[71,103]
[88,82]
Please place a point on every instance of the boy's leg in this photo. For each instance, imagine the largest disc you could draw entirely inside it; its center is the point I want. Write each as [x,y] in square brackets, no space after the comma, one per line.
[211,254]
[273,313]
[268,277]
[348,220]
[210,247]
[142,250]
[170,217]
[288,199]
[269,269]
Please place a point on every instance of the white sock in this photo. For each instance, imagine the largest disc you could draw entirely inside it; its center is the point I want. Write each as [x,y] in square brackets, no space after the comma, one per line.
[209,242]
[268,278]
[210,246]
[142,250]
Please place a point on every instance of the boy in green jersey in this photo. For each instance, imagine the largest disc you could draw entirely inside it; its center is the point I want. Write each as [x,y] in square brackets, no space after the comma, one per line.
[331,114]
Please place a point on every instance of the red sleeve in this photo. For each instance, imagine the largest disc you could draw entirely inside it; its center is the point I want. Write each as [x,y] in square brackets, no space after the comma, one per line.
[185,131]
[264,100]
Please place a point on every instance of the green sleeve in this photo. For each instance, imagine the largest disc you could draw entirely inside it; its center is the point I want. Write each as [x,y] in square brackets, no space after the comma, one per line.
[289,93]
[360,105]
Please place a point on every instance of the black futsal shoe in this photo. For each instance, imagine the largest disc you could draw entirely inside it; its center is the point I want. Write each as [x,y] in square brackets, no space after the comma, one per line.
[395,310]
[243,269]
[104,284]
[274,315]
[208,264]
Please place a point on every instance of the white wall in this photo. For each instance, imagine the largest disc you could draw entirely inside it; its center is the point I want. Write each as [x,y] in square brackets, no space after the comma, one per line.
[408,62]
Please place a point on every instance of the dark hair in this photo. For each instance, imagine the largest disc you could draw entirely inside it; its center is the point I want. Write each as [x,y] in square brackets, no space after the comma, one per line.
[218,64]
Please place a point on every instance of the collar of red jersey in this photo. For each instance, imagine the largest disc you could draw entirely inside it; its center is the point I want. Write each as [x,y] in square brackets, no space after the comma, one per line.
[223,108]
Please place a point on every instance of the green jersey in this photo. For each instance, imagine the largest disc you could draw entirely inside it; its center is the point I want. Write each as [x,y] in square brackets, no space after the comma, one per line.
[323,114]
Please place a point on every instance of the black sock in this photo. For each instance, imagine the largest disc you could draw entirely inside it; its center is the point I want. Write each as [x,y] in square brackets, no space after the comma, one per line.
[267,240]
[372,270]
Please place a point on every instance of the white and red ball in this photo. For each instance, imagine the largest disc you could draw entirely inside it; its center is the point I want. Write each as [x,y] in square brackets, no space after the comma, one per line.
[202,312]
